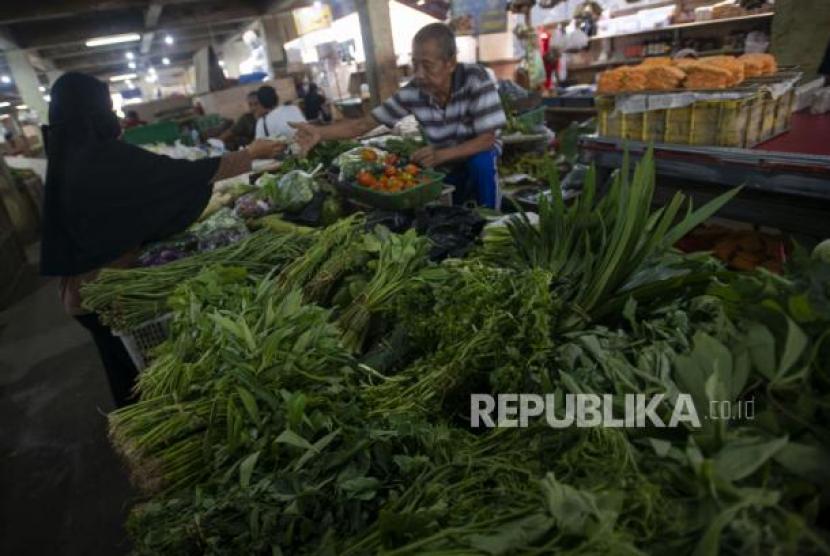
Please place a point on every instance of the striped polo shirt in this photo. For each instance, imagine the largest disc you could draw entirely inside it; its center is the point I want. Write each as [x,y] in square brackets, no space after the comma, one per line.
[474,108]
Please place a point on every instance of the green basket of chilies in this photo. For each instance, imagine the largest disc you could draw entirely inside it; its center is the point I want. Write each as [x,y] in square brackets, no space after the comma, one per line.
[411,198]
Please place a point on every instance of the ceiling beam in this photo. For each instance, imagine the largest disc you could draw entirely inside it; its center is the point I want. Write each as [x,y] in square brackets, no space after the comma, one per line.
[74,51]
[20,12]
[78,34]
[151,19]
[114,66]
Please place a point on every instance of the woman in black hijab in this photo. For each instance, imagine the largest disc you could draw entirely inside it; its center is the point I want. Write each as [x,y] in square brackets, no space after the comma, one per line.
[105,198]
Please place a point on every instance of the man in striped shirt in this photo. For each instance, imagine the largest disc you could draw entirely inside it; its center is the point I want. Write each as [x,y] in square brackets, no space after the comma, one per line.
[458,108]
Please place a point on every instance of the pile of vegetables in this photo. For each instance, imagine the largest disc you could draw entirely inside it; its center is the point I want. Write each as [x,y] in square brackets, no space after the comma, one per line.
[317,402]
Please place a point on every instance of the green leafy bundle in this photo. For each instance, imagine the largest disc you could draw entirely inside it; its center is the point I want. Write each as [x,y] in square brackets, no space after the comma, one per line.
[125,298]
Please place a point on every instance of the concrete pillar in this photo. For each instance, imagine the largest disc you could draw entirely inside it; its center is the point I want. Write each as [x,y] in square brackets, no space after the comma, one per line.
[275,33]
[27,83]
[381,62]
[202,68]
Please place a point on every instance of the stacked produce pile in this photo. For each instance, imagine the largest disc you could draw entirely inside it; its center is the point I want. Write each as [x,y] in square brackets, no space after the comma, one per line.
[663,73]
[322,406]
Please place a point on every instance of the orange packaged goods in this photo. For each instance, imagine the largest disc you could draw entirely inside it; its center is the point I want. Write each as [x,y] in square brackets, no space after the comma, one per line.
[621,80]
[657,61]
[683,63]
[759,64]
[663,78]
[706,76]
[730,64]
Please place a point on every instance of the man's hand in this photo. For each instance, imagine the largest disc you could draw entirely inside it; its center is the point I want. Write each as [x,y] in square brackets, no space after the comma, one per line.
[265,149]
[428,157]
[307,136]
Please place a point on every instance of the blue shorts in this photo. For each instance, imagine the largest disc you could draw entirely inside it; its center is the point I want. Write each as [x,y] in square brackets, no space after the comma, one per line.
[476,179]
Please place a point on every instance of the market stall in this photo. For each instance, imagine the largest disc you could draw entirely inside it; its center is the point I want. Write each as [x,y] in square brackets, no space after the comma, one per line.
[314,391]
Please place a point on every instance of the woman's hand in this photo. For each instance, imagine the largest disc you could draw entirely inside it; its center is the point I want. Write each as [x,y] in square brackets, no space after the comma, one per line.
[265,149]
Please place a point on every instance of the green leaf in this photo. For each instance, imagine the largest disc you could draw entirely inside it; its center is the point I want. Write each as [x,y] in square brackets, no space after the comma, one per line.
[508,538]
[793,347]
[246,469]
[740,458]
[293,439]
[800,308]
[360,488]
[315,449]
[250,404]
[761,345]
[805,460]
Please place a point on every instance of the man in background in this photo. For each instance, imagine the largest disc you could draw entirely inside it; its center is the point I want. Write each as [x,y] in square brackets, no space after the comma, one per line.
[272,119]
[242,132]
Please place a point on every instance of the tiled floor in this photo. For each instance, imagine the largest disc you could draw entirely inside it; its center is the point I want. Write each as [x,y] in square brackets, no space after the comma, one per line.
[63,491]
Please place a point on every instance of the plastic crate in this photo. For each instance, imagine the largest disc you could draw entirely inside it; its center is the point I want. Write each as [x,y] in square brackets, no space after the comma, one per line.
[139,341]
[411,198]
[162,132]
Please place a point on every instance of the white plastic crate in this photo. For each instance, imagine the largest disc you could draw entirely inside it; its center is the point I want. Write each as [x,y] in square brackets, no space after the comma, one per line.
[144,337]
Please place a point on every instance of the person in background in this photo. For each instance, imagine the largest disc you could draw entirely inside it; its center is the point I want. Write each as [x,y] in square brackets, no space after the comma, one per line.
[132,120]
[272,119]
[243,131]
[313,103]
[198,109]
[458,108]
[105,198]
[824,67]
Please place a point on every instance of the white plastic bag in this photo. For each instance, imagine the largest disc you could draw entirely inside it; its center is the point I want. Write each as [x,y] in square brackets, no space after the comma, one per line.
[756,41]
[821,101]
[576,39]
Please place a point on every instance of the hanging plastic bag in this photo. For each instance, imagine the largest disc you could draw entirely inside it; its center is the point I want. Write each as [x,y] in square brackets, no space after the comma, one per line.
[575,39]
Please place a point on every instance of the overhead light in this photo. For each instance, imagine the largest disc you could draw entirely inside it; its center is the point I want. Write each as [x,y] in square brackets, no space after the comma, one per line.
[5,104]
[130,56]
[131,65]
[22,107]
[165,61]
[42,89]
[422,2]
[5,79]
[152,78]
[123,77]
[113,39]
[221,63]
[47,98]
[318,5]
[168,39]
[151,70]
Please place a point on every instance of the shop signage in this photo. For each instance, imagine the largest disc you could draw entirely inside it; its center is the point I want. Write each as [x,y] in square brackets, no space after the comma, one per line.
[312,18]
[479,17]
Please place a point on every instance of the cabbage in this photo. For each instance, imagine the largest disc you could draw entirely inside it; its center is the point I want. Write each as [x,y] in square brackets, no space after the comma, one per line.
[822,251]
[293,191]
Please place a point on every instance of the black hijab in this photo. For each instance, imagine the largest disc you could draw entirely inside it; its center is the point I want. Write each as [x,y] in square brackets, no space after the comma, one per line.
[104,197]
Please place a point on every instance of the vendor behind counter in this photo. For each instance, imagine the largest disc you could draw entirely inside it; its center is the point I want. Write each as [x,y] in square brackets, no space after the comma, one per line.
[458,107]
